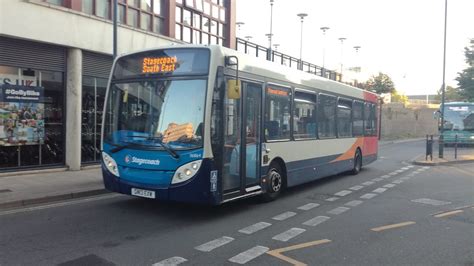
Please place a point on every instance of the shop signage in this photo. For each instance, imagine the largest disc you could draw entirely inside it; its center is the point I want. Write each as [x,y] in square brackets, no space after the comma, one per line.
[19,93]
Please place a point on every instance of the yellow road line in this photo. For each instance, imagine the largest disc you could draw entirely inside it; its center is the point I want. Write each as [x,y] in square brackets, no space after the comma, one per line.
[277,252]
[448,213]
[391,226]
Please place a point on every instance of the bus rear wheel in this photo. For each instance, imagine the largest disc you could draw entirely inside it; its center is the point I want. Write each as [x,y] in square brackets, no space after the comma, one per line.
[275,183]
[357,162]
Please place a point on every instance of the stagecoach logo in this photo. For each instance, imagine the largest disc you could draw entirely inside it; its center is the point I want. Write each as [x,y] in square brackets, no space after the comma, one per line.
[132,159]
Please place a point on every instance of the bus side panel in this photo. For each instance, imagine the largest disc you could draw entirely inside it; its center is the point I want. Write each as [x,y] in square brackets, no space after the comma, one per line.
[370,149]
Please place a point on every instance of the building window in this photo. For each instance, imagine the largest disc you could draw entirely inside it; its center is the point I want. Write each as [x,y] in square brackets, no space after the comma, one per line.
[32,130]
[145,22]
[56,2]
[132,17]
[88,6]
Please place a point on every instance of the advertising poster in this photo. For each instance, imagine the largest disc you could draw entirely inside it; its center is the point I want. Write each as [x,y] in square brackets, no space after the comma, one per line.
[21,115]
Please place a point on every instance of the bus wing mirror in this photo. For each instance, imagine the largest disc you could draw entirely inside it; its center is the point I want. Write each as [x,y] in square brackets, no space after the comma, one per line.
[233,89]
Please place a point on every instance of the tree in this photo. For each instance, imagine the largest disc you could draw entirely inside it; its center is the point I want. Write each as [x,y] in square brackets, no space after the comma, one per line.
[450,95]
[466,77]
[381,83]
[398,97]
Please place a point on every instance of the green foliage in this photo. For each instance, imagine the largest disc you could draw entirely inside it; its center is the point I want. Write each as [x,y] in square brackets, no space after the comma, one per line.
[381,83]
[450,95]
[466,77]
[399,98]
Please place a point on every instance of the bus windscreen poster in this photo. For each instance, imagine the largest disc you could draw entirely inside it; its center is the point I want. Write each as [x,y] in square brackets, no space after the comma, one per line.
[21,115]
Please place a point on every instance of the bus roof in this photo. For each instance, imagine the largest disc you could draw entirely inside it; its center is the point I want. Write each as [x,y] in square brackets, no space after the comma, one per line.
[273,71]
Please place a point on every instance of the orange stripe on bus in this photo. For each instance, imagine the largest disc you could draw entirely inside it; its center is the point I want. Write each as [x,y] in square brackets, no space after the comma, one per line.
[349,154]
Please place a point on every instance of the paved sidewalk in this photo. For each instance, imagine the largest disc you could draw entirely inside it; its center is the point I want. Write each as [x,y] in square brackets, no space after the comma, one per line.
[464,155]
[19,189]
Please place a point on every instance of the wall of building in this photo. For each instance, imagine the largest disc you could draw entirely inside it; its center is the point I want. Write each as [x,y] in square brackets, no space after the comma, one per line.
[43,22]
[399,121]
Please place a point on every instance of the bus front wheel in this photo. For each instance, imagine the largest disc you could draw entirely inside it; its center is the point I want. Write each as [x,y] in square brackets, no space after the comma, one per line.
[357,162]
[275,183]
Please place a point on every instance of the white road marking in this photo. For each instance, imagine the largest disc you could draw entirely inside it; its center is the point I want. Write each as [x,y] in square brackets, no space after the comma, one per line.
[368,183]
[308,206]
[389,185]
[379,190]
[405,178]
[405,168]
[431,202]
[249,255]
[368,196]
[377,179]
[385,176]
[287,235]
[343,193]
[399,171]
[410,166]
[353,203]
[284,216]
[356,187]
[426,167]
[398,181]
[332,199]
[393,173]
[338,210]
[254,228]
[412,174]
[170,261]
[316,220]
[206,247]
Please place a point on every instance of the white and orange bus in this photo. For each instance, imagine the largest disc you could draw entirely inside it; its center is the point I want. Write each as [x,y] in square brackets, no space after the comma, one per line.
[206,124]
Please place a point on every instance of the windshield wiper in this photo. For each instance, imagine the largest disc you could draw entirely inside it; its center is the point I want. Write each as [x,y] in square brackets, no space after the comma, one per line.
[120,147]
[165,146]
[158,140]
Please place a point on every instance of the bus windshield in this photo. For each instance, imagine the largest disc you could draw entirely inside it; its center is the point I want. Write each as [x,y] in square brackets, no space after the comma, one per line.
[459,117]
[155,113]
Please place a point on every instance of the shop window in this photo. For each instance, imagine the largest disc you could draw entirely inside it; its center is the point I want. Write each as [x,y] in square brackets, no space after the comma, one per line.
[93,95]
[277,113]
[327,116]
[31,128]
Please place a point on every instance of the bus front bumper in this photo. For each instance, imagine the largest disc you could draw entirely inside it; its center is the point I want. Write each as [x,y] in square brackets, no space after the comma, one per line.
[196,190]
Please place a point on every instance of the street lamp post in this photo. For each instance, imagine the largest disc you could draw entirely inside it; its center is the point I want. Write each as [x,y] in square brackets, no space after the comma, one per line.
[324,29]
[239,24]
[115,29]
[357,68]
[443,88]
[276,46]
[271,23]
[342,39]
[302,16]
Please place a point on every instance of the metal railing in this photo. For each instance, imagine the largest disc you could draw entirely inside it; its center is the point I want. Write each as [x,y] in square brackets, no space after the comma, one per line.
[292,62]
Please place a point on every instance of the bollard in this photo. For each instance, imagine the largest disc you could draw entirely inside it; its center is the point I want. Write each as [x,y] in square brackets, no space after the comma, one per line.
[456,147]
[429,148]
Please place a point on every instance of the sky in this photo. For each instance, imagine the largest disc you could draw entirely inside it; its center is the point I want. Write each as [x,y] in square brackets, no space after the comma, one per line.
[401,38]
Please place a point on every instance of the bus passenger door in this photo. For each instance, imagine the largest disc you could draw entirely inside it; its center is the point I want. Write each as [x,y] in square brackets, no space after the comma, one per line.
[242,141]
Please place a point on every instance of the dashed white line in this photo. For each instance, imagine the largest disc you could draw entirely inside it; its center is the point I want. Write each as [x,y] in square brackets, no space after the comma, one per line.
[343,193]
[249,255]
[377,179]
[368,183]
[338,210]
[170,261]
[398,181]
[332,199]
[389,185]
[405,178]
[287,235]
[316,220]
[410,166]
[368,196]
[405,168]
[284,216]
[356,187]
[393,173]
[426,167]
[432,202]
[385,176]
[254,228]
[379,190]
[353,203]
[399,171]
[308,206]
[209,246]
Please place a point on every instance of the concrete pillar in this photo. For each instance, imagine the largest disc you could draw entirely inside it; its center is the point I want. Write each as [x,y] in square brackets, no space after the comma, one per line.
[73,108]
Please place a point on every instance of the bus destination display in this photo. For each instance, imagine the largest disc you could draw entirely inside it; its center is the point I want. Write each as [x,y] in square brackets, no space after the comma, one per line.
[159,64]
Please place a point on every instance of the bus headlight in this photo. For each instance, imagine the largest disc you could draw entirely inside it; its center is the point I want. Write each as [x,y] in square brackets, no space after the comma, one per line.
[186,171]
[110,163]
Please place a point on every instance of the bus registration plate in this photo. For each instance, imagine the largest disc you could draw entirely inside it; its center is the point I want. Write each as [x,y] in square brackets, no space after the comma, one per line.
[143,193]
